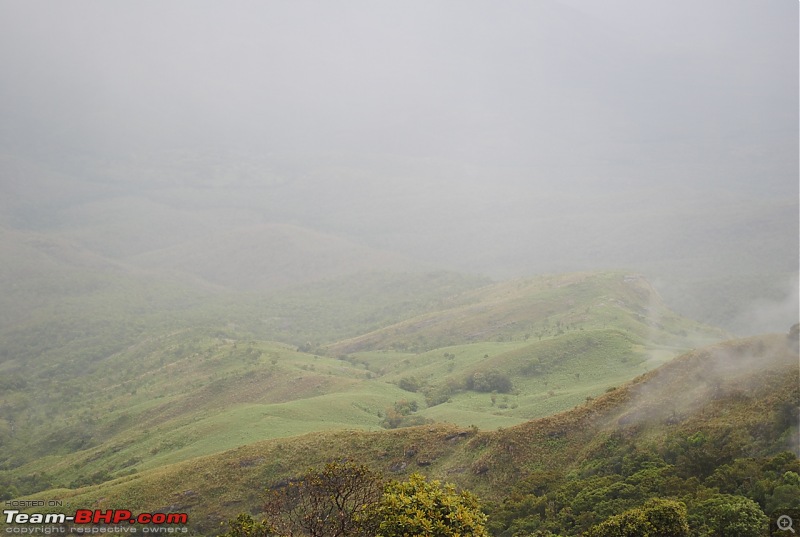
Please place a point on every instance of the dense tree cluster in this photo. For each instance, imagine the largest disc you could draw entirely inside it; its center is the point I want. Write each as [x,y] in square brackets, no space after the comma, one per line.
[639,494]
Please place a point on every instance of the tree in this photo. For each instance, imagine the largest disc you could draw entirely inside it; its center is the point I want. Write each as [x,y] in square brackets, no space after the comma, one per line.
[489,381]
[401,415]
[245,526]
[351,500]
[337,501]
[656,518]
[726,515]
[428,508]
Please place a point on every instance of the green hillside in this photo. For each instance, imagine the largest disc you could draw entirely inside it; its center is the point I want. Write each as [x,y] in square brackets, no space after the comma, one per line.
[115,377]
[532,309]
[86,406]
[737,403]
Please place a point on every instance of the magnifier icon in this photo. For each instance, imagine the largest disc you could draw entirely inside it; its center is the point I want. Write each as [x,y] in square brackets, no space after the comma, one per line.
[785,523]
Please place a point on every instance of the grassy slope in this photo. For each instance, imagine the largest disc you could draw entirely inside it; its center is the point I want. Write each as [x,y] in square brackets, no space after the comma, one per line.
[91,349]
[738,385]
[543,306]
[192,392]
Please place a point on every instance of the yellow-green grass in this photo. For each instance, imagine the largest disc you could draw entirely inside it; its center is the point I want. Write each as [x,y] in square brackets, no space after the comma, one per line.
[741,383]
[558,339]
[225,400]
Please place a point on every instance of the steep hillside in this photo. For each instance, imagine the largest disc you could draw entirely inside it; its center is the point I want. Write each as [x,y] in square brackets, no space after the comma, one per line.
[737,399]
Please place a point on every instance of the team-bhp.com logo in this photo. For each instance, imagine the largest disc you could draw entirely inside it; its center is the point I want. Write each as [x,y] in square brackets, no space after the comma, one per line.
[88,516]
[114,517]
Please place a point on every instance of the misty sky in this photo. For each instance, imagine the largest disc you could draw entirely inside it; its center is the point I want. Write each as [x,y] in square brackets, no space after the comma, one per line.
[494,82]
[525,136]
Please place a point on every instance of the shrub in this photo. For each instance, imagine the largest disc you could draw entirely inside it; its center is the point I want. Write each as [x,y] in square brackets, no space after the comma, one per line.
[436,395]
[410,384]
[489,381]
[245,526]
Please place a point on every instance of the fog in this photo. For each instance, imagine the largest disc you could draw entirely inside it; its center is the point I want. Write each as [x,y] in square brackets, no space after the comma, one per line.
[559,84]
[504,138]
[704,378]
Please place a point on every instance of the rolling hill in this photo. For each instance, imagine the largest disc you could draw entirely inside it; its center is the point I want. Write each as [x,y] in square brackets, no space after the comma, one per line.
[119,373]
[544,251]
[737,402]
[88,408]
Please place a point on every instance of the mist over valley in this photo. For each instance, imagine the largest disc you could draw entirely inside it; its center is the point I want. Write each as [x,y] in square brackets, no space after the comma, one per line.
[545,251]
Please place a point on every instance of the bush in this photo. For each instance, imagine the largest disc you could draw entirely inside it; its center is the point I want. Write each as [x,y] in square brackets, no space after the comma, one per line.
[245,526]
[436,395]
[489,381]
[410,384]
[400,415]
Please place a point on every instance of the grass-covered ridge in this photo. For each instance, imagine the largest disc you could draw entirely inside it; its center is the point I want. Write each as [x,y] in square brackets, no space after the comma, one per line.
[536,308]
[489,357]
[737,400]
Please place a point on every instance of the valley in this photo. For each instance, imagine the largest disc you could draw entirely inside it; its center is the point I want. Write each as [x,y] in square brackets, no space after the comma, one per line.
[497,269]
[159,380]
